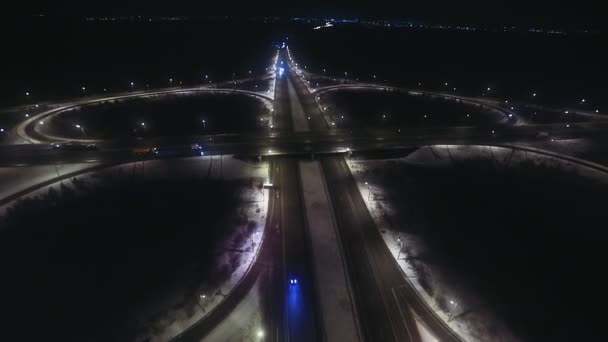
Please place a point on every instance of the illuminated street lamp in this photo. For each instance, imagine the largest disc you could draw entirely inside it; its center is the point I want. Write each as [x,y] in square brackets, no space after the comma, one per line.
[81,129]
[204,124]
[27,93]
[454,306]
[400,244]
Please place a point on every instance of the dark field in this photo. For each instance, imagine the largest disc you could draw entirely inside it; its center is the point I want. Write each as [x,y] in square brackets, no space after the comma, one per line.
[81,266]
[562,70]
[168,115]
[52,58]
[387,109]
[527,242]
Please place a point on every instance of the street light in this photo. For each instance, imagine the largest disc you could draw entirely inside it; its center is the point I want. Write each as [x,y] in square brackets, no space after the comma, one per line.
[204,124]
[260,333]
[369,191]
[81,129]
[400,244]
[451,316]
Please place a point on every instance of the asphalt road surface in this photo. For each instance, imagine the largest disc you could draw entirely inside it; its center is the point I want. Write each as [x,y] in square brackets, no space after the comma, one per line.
[289,309]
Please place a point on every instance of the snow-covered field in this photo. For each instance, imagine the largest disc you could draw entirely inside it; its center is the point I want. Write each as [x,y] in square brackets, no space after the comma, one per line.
[460,309]
[18,178]
[166,320]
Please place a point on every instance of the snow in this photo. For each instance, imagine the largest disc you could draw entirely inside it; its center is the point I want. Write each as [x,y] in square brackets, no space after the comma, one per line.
[245,321]
[162,326]
[337,309]
[16,179]
[471,321]
[425,335]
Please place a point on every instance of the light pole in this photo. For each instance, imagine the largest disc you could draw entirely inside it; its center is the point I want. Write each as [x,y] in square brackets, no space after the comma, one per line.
[455,305]
[82,129]
[202,297]
[369,191]
[204,124]
[400,244]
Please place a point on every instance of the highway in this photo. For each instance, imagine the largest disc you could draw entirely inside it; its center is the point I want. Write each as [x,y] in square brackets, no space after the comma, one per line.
[300,143]
[290,311]
[387,304]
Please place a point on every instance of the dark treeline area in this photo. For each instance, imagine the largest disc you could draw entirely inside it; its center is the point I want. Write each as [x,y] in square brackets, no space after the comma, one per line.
[526,241]
[79,263]
[53,57]
[561,69]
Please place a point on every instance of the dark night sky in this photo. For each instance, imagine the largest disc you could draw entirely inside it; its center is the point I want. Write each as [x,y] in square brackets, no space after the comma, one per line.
[497,11]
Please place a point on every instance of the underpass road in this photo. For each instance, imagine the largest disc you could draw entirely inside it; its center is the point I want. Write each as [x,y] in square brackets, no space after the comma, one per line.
[382,317]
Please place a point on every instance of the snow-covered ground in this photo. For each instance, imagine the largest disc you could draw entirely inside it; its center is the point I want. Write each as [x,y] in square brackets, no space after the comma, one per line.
[337,309]
[245,321]
[462,313]
[161,325]
[16,179]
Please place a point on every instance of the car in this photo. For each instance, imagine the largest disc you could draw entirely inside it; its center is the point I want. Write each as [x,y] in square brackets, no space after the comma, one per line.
[72,146]
[144,150]
[197,149]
